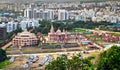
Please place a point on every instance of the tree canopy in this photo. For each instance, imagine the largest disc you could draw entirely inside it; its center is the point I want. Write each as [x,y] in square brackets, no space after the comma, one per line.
[45,26]
[2,55]
[58,64]
[63,63]
[110,59]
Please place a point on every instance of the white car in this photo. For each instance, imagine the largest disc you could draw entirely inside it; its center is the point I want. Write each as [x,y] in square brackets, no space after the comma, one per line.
[31,57]
[50,59]
[45,59]
[36,58]
[12,59]
[25,65]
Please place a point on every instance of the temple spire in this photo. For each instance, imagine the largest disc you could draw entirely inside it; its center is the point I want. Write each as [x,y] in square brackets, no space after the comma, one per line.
[52,29]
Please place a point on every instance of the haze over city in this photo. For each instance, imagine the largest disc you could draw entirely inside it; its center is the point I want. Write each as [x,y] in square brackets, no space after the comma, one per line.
[28,1]
[59,34]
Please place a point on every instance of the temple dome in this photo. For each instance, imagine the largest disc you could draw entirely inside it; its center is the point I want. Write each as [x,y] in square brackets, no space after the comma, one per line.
[58,31]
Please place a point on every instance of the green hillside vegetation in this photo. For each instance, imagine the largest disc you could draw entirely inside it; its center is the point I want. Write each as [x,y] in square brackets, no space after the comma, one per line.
[107,60]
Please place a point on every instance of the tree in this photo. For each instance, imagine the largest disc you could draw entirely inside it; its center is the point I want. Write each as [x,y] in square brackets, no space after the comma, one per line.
[110,59]
[75,63]
[78,63]
[18,30]
[63,63]
[2,55]
[58,64]
[45,26]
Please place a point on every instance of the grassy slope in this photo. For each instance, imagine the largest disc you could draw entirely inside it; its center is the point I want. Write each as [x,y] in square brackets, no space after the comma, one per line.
[4,64]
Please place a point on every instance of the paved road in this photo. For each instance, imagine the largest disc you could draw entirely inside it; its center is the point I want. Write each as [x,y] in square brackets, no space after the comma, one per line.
[7,45]
[57,53]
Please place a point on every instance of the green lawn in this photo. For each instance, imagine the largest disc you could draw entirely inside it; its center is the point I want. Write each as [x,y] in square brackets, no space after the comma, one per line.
[4,64]
[91,36]
[79,30]
[28,51]
[116,34]
[99,40]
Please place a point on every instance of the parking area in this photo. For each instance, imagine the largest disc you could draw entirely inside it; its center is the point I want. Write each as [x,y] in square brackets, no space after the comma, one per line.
[38,62]
[32,61]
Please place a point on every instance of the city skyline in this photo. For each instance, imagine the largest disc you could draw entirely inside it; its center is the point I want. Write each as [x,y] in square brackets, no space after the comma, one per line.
[31,1]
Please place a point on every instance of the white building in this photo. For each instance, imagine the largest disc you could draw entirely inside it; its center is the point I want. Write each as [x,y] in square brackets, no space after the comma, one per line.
[119,19]
[63,15]
[29,23]
[91,13]
[28,13]
[2,25]
[113,19]
[38,14]
[11,26]
[52,14]
[47,14]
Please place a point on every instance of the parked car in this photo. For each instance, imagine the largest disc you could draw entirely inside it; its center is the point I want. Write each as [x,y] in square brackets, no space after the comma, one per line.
[85,52]
[12,59]
[46,60]
[32,59]
[25,65]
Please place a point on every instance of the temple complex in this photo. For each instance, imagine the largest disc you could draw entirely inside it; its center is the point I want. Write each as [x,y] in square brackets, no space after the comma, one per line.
[24,39]
[58,36]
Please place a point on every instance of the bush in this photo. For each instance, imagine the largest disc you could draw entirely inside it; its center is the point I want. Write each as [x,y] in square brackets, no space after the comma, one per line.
[2,55]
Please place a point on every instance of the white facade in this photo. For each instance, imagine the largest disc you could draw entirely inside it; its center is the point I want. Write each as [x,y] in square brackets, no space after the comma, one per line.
[29,23]
[28,13]
[63,15]
[35,13]
[11,26]
[2,25]
[91,13]
[52,14]
[113,19]
[38,14]
[48,14]
[119,19]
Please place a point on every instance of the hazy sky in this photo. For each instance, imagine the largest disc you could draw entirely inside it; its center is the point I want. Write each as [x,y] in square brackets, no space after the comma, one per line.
[23,1]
